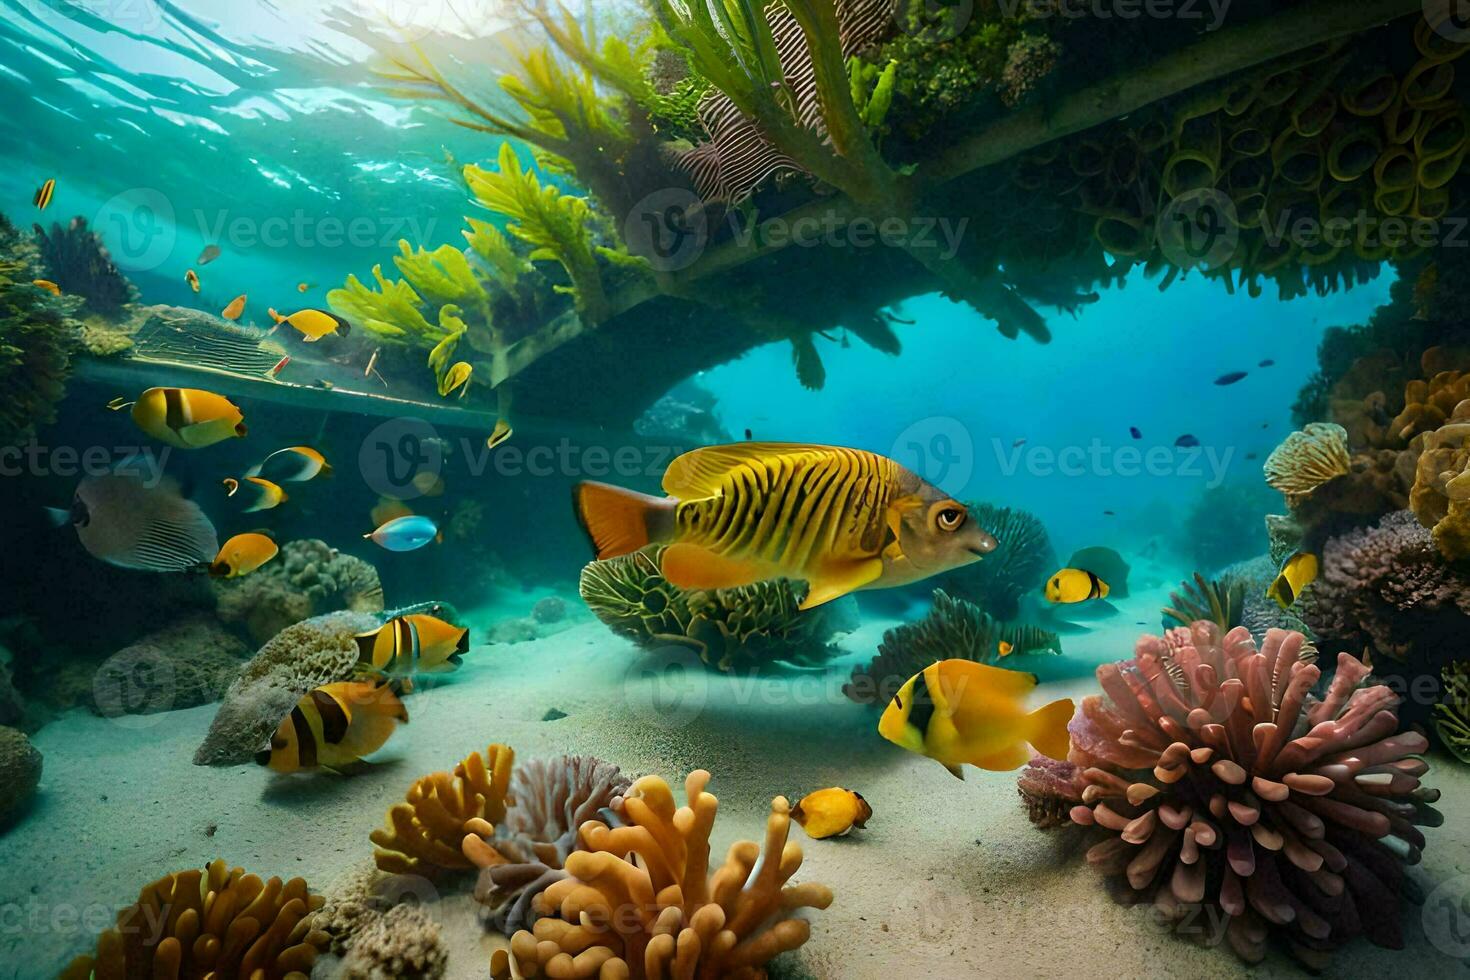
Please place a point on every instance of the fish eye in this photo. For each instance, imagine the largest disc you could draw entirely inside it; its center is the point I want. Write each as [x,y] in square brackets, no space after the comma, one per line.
[950,518]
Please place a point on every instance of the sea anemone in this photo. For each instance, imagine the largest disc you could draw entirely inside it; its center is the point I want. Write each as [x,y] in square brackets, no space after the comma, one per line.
[1221,780]
[665,915]
[739,628]
[217,923]
[954,629]
[553,798]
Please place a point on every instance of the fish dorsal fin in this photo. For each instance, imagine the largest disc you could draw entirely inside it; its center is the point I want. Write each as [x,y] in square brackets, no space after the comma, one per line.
[983,677]
[701,472]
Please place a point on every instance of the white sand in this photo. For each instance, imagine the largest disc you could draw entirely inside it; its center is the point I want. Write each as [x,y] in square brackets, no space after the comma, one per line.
[948,880]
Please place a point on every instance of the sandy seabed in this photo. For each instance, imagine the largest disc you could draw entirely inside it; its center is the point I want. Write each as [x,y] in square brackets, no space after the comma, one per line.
[949,879]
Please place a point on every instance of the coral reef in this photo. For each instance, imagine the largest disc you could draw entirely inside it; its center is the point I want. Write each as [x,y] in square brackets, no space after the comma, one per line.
[20,774]
[308,578]
[296,660]
[666,915]
[731,629]
[1018,566]
[1307,459]
[218,922]
[553,799]
[189,662]
[953,629]
[424,833]
[1219,779]
[402,942]
[1452,713]
[75,259]
[1224,524]
[38,336]
[1440,497]
[1221,601]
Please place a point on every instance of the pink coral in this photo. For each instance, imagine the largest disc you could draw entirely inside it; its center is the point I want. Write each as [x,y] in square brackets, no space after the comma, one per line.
[1223,782]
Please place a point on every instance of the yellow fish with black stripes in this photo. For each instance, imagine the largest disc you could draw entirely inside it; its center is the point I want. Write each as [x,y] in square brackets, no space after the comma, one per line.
[1075,585]
[1297,572]
[839,519]
[186,418]
[336,725]
[960,711]
[414,644]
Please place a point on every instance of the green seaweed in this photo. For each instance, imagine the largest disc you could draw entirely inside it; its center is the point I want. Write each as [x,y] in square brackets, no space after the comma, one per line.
[1452,713]
[1221,601]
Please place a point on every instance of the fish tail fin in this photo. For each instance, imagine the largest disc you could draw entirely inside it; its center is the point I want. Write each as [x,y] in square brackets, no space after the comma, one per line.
[1048,728]
[275,316]
[620,521]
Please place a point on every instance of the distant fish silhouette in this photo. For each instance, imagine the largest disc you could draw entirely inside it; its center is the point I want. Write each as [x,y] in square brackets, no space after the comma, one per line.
[1230,379]
[1266,363]
[1186,440]
[1133,431]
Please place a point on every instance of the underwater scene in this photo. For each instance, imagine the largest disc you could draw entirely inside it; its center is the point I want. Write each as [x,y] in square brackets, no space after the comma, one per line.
[694,489]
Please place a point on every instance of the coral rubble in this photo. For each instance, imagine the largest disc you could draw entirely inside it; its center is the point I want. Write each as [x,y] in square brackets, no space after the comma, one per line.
[666,914]
[953,629]
[731,629]
[309,578]
[218,922]
[189,662]
[402,942]
[1218,778]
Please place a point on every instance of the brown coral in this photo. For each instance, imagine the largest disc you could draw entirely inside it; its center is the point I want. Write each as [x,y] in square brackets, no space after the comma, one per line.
[424,833]
[1440,497]
[1221,780]
[402,942]
[20,774]
[309,578]
[664,915]
[553,798]
[1307,459]
[219,923]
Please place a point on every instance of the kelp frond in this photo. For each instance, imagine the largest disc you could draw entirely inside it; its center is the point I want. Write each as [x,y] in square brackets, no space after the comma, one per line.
[392,311]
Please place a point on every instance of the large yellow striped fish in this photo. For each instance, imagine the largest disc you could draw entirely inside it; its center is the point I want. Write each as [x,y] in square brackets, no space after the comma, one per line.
[188,418]
[840,519]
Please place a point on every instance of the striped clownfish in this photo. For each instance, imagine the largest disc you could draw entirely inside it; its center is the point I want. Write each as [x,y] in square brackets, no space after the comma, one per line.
[840,519]
[1075,585]
[44,193]
[413,644]
[335,726]
[960,712]
[186,418]
[1297,572]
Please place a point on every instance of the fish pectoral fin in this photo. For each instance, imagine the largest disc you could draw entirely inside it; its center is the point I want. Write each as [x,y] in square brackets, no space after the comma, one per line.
[1012,757]
[690,566]
[833,581]
[955,771]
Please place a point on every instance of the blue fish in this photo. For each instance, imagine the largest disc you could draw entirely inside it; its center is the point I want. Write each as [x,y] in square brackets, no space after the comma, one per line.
[405,533]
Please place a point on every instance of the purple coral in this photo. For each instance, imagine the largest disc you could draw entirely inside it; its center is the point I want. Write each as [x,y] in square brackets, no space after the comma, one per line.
[1223,782]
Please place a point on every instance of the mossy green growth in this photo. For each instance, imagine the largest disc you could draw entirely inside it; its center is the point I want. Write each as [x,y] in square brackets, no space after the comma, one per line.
[1452,713]
[38,335]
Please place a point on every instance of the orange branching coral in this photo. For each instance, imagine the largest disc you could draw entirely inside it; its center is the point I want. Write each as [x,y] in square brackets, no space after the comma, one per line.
[1441,494]
[425,832]
[218,922]
[663,915]
[1307,459]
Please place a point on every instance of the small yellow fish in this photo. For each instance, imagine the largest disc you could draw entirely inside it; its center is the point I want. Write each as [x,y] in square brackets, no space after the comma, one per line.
[47,285]
[192,278]
[413,644]
[1297,572]
[263,494]
[302,287]
[313,324]
[499,434]
[208,255]
[960,711]
[1005,648]
[187,418]
[44,194]
[1075,585]
[457,376]
[294,464]
[831,812]
[839,519]
[243,554]
[236,307]
[388,509]
[336,725]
